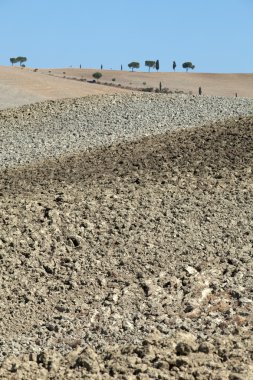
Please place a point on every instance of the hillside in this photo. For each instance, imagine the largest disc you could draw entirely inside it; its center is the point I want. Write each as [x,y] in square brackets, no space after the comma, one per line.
[131,262]
[212,84]
[125,233]
[24,86]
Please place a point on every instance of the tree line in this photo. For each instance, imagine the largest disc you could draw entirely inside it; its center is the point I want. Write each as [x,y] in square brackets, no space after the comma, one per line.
[132,65]
[156,65]
[20,60]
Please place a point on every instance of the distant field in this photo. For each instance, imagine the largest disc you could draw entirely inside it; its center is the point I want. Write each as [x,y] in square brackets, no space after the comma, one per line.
[24,86]
[212,84]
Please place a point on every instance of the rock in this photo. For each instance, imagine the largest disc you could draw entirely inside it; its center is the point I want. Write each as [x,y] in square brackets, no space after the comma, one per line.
[191,270]
[235,376]
[73,356]
[204,347]
[87,359]
[183,349]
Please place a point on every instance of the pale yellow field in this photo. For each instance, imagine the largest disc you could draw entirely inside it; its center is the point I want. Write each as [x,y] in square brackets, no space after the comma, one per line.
[23,86]
[212,84]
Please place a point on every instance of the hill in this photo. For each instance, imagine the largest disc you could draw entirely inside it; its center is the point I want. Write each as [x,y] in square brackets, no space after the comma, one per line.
[132,261]
[24,86]
[212,84]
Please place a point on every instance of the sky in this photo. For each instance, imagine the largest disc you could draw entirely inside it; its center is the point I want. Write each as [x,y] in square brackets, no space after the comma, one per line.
[215,35]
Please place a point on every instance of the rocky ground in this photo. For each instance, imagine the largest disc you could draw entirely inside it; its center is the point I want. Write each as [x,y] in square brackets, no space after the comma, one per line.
[130,261]
[49,129]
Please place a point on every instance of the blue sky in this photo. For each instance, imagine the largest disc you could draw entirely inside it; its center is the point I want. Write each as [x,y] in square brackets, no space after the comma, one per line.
[216,35]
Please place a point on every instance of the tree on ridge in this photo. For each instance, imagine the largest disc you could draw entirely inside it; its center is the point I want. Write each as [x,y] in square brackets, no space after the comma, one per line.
[150,64]
[97,75]
[188,65]
[13,60]
[134,65]
[157,65]
[21,60]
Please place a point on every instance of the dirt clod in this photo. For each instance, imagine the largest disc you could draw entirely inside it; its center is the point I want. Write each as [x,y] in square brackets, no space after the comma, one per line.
[105,277]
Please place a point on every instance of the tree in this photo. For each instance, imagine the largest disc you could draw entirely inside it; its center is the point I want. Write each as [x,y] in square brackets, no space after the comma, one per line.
[97,75]
[13,60]
[174,65]
[157,65]
[188,65]
[134,65]
[150,64]
[21,60]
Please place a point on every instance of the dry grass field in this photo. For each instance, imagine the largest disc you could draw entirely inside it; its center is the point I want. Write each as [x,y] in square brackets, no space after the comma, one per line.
[212,84]
[23,86]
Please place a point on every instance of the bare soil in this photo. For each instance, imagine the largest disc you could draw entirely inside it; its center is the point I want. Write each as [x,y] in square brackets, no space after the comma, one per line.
[131,262]
[211,84]
[24,86]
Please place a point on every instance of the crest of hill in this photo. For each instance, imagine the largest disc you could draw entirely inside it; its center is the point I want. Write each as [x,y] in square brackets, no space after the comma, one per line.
[20,86]
[211,84]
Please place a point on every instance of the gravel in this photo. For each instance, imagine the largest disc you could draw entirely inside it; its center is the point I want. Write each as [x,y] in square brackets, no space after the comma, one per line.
[54,128]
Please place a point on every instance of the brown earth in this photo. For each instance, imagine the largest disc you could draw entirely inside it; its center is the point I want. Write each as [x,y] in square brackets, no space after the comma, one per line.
[131,262]
[24,86]
[212,84]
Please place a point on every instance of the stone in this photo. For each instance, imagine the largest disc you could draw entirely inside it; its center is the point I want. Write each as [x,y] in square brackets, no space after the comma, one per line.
[183,349]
